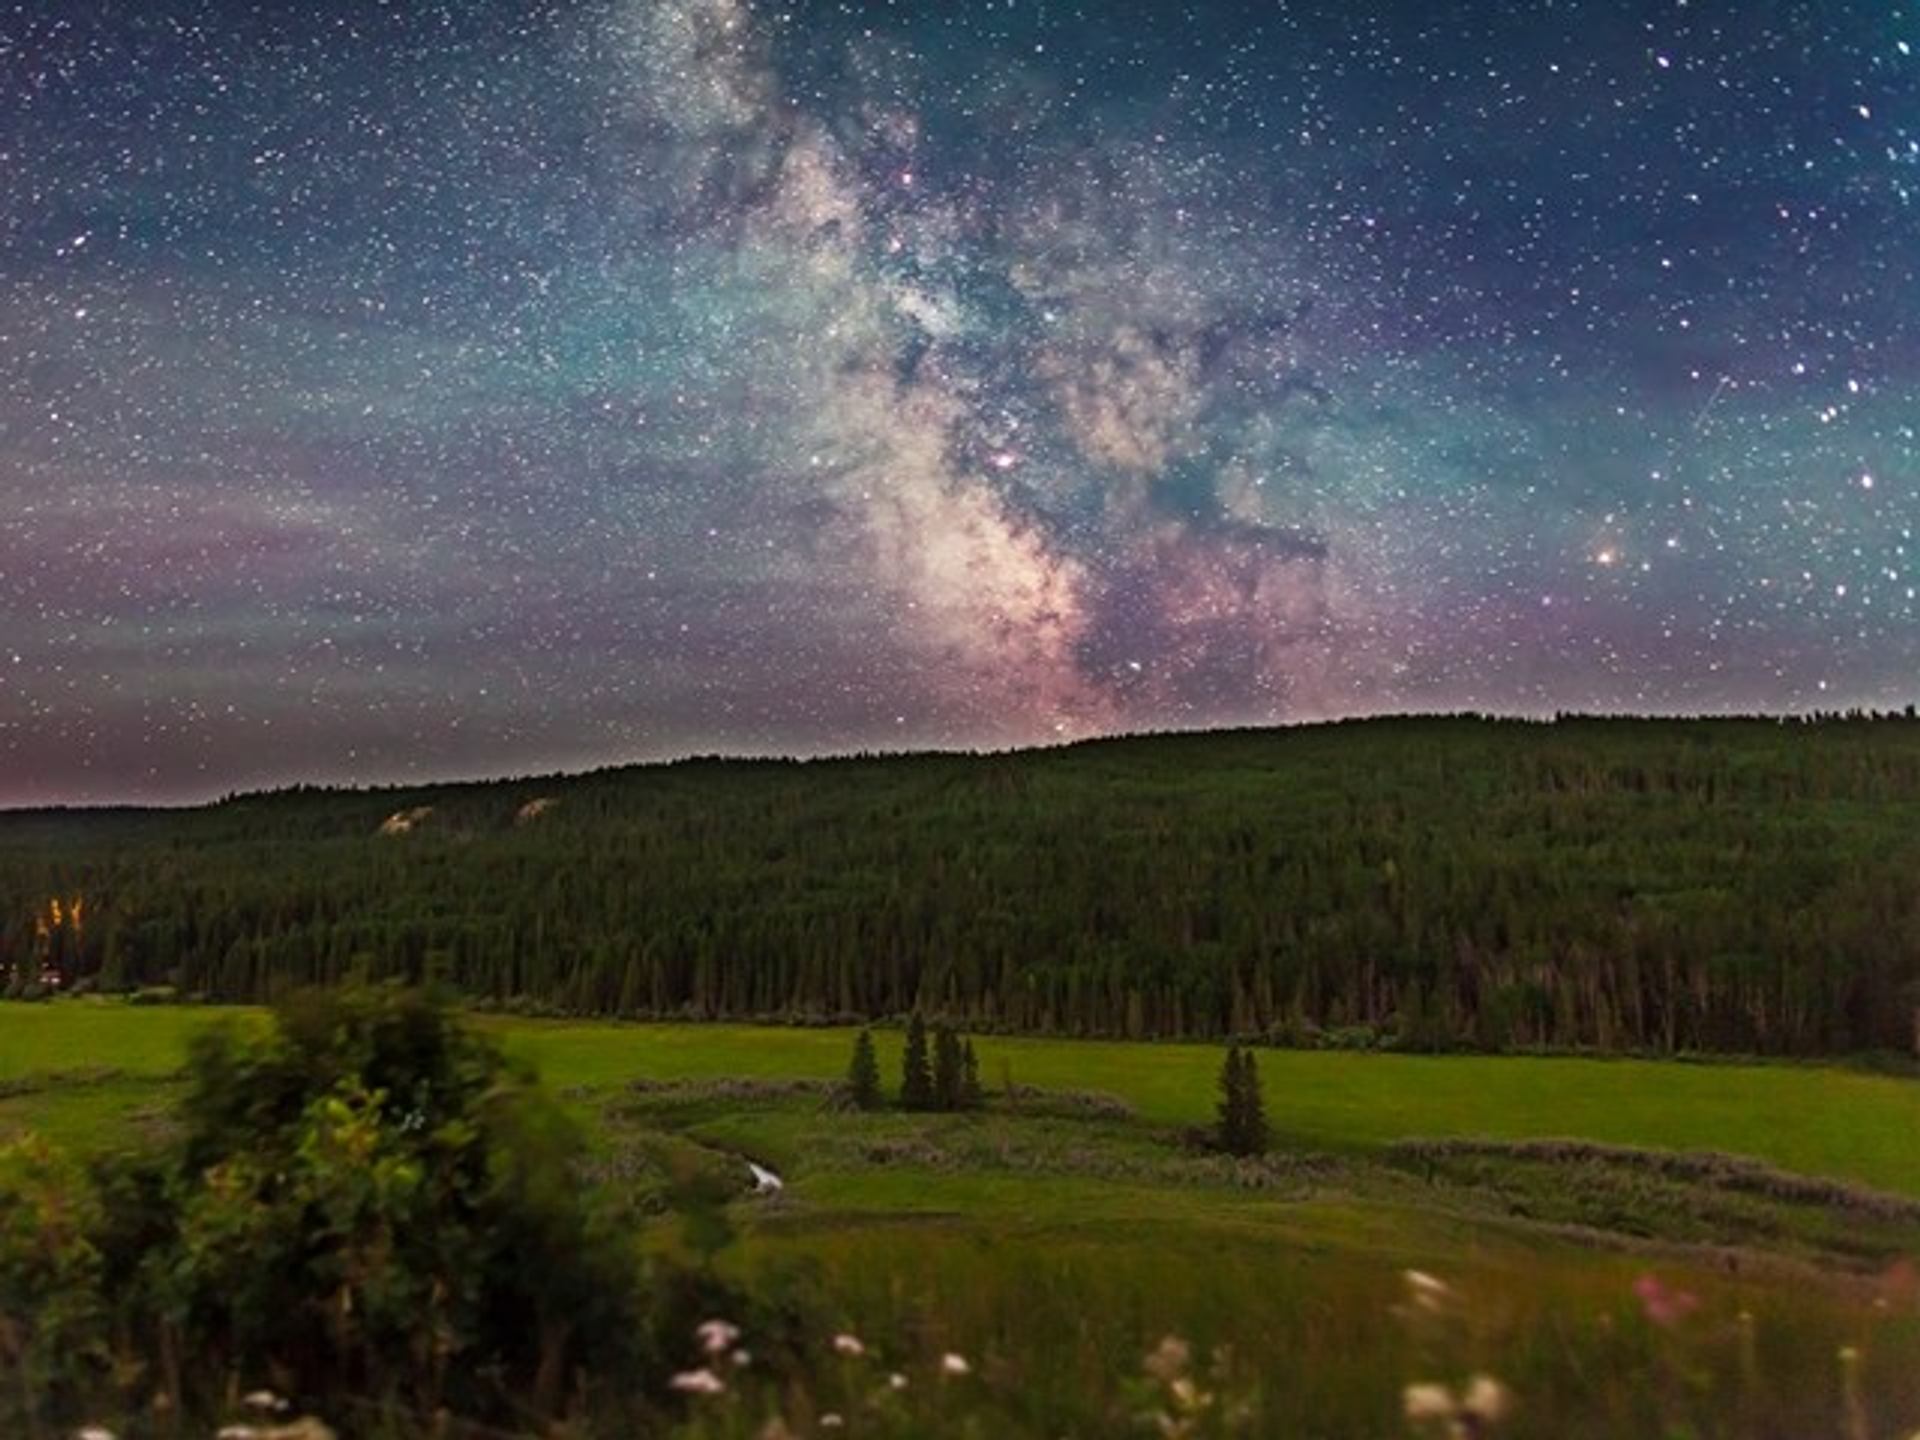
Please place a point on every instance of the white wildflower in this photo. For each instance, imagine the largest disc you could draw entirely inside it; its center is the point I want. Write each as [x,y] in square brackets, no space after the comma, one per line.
[1487,1400]
[848,1344]
[1484,1403]
[1427,1402]
[832,1420]
[1429,1292]
[93,1432]
[1169,1360]
[716,1335]
[698,1382]
[953,1363]
[897,1380]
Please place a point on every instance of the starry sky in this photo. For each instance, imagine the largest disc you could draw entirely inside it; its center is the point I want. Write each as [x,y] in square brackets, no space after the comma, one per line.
[398,390]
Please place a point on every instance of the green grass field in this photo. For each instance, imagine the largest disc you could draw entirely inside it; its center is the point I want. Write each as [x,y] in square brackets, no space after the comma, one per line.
[1821,1121]
[1055,1243]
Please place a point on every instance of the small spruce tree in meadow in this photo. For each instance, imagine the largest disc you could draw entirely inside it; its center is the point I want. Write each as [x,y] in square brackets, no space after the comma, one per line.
[971,1095]
[1243,1117]
[863,1073]
[916,1074]
[1253,1109]
[1228,1131]
[948,1069]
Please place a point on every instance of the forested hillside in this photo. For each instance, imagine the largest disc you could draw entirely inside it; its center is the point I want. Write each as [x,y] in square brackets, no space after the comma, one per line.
[1735,885]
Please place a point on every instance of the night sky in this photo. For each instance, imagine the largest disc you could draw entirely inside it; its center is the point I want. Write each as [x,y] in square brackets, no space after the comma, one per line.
[419,389]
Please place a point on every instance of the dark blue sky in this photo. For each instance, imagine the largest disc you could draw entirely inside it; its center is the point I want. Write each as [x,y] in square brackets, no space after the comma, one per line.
[394,390]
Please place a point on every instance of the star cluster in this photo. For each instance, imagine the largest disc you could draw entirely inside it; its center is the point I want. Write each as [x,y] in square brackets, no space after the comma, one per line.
[404,389]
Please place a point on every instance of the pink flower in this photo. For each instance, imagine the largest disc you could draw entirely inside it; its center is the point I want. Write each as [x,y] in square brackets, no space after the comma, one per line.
[1661,1303]
[716,1335]
[849,1344]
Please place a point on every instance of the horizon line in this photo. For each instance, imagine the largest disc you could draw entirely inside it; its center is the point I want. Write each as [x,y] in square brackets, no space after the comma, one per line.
[1852,713]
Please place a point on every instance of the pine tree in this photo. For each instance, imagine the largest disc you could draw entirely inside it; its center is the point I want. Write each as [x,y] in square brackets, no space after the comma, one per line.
[1253,1109]
[863,1074]
[948,1069]
[971,1095]
[916,1075]
[1231,1106]
[1243,1117]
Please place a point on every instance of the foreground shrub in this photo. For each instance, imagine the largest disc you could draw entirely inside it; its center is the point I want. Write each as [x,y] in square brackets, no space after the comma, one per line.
[52,1321]
[365,1200]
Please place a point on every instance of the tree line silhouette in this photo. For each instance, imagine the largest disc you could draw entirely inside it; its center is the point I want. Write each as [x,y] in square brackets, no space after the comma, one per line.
[1662,885]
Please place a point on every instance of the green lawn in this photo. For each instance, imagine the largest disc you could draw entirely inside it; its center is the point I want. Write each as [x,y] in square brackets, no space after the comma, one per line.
[1817,1120]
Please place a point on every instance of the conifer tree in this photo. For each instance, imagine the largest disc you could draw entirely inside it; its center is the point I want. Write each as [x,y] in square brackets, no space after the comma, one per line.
[916,1075]
[1243,1118]
[971,1095]
[1253,1109]
[863,1073]
[948,1069]
[1228,1131]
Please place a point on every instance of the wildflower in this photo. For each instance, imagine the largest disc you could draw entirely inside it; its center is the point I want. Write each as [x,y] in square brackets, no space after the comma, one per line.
[1661,1303]
[716,1335]
[263,1401]
[953,1363]
[741,1359]
[1169,1361]
[1429,1292]
[1487,1400]
[832,1420]
[897,1381]
[237,1432]
[1484,1403]
[93,1432]
[1900,1283]
[1856,1410]
[698,1382]
[1427,1402]
[848,1344]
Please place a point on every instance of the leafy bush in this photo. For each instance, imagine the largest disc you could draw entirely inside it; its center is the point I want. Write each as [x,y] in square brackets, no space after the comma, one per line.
[365,1200]
[52,1331]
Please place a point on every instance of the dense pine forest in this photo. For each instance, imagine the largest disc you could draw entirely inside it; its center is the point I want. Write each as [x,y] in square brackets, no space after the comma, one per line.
[1663,885]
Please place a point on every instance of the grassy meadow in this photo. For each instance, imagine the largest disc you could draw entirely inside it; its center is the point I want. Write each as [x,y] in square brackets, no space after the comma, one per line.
[1813,1119]
[1056,1235]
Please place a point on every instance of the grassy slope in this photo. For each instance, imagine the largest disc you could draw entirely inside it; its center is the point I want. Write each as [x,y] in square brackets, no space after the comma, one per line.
[932,1234]
[1820,1121]
[1057,1281]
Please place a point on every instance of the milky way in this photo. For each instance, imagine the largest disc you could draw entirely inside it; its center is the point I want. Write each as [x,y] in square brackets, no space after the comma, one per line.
[418,389]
